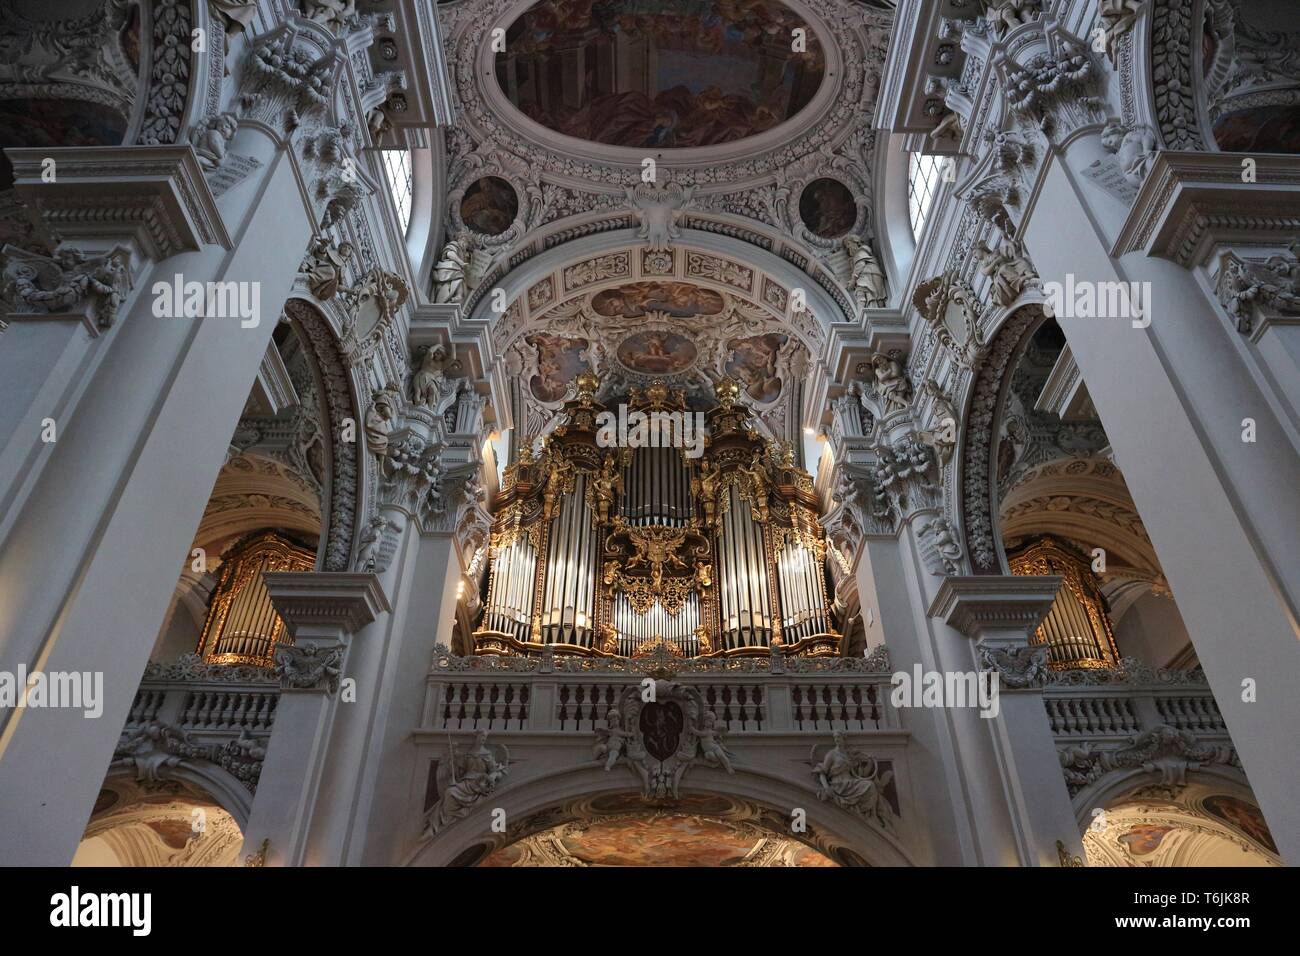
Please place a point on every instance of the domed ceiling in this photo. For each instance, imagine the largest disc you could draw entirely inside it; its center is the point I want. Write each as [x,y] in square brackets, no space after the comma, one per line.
[660,73]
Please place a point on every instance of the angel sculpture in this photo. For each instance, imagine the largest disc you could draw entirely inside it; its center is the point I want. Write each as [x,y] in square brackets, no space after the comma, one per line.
[464,779]
[611,742]
[759,485]
[604,485]
[853,780]
[211,138]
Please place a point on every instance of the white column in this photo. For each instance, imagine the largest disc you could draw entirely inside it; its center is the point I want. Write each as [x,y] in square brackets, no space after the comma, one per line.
[91,551]
[1222,514]
[323,610]
[992,617]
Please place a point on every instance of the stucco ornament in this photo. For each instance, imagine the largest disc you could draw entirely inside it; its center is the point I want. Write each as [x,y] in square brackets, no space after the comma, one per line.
[853,780]
[325,267]
[1019,667]
[660,739]
[464,779]
[67,281]
[385,406]
[660,208]
[1166,750]
[211,138]
[309,667]
[1247,286]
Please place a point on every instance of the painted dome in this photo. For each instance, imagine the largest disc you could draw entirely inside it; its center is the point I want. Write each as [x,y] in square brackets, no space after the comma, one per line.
[660,74]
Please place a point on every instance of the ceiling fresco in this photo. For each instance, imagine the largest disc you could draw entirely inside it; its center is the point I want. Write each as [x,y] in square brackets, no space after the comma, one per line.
[697,830]
[659,73]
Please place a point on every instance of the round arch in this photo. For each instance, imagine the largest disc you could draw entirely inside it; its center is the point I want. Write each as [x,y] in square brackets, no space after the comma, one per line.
[339,390]
[539,803]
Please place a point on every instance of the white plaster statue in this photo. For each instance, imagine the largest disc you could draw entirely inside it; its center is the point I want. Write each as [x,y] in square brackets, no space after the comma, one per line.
[211,138]
[324,267]
[1133,146]
[870,287]
[430,385]
[334,14]
[451,274]
[1004,15]
[1008,266]
[464,779]
[891,383]
[942,434]
[380,416]
[853,780]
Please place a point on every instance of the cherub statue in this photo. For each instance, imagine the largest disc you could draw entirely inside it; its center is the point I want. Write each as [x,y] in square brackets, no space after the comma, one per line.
[710,738]
[612,740]
[705,489]
[211,138]
[608,637]
[759,485]
[1133,146]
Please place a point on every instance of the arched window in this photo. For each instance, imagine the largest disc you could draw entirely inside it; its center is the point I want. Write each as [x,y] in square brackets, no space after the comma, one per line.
[397,167]
[923,174]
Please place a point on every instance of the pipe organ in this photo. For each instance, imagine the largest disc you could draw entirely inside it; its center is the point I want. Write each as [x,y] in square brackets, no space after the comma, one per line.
[1077,629]
[606,550]
[242,626]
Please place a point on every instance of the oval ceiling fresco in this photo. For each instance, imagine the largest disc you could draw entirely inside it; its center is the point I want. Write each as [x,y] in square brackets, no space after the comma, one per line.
[659,73]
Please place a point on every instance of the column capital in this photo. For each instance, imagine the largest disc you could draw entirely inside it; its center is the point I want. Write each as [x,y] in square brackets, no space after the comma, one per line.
[153,196]
[1193,203]
[981,605]
[326,606]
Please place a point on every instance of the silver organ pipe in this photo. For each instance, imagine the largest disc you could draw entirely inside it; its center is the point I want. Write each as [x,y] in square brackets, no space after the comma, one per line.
[510,594]
[746,617]
[570,578]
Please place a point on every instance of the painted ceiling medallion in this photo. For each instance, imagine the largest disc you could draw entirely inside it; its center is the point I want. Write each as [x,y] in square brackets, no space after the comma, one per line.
[827,208]
[660,74]
[657,352]
[678,299]
[489,206]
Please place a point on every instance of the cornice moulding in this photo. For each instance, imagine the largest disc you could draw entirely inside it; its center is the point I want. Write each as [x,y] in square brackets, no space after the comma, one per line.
[156,195]
[976,603]
[1192,202]
[349,600]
